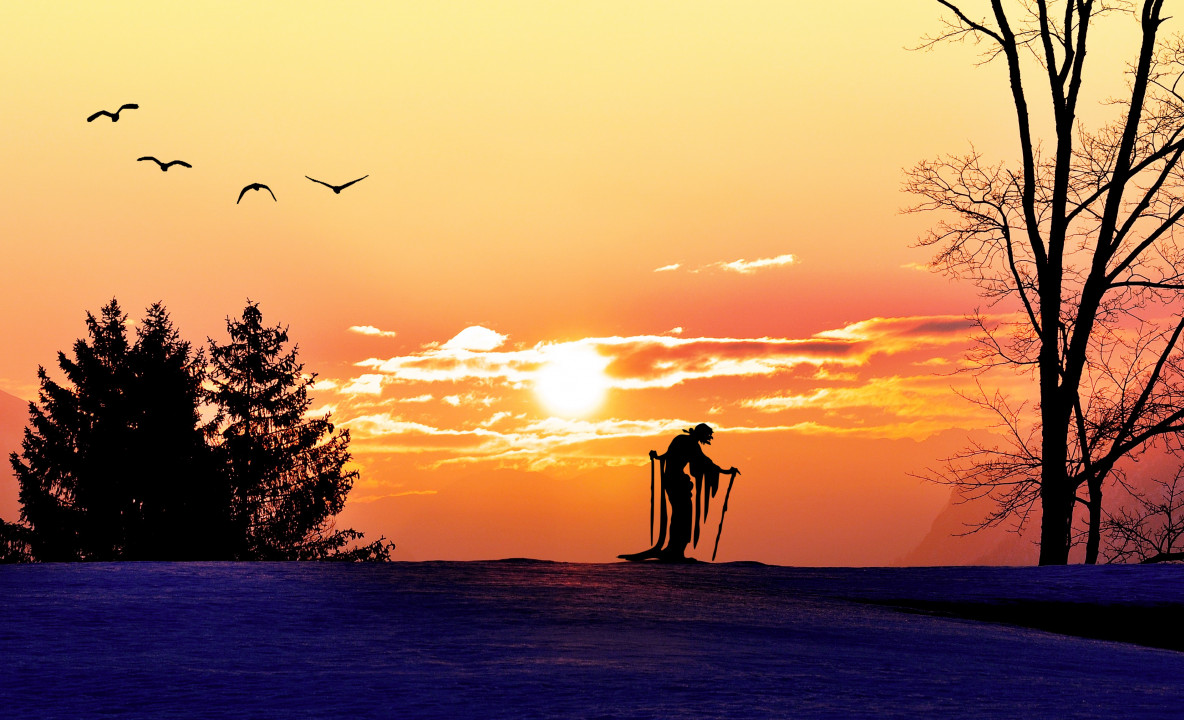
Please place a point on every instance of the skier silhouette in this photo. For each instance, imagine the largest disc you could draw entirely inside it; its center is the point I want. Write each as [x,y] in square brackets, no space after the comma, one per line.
[684,453]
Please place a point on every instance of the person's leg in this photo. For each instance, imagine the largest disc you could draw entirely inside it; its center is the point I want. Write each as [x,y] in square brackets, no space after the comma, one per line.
[679,491]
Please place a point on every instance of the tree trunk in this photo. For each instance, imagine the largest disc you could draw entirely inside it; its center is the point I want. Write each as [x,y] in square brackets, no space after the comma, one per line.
[1057,506]
[1056,492]
[1094,539]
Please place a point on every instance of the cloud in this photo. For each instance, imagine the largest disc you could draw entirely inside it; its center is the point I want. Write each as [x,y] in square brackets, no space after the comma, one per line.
[906,333]
[745,266]
[860,379]
[446,365]
[551,442]
[631,362]
[475,338]
[741,266]
[372,331]
[662,361]
[535,443]
[495,419]
[423,436]
[356,497]
[370,384]
[918,396]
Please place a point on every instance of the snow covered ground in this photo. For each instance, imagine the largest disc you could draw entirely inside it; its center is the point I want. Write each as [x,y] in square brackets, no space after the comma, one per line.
[522,639]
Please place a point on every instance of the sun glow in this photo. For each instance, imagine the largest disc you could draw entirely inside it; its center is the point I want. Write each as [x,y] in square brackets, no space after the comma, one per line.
[572,382]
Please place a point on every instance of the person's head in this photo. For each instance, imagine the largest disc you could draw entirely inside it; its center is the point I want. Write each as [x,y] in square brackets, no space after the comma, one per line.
[702,433]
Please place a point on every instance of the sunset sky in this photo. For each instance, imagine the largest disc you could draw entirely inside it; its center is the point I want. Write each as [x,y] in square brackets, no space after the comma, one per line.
[586,226]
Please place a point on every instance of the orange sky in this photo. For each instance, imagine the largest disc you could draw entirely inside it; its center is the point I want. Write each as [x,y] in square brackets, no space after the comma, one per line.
[705,195]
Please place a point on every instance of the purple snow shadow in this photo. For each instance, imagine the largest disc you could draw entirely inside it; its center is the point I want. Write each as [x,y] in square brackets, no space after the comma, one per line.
[530,639]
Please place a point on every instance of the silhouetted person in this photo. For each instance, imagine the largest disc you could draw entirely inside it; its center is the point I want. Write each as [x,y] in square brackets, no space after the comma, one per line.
[254,186]
[113,115]
[683,454]
[163,165]
[337,188]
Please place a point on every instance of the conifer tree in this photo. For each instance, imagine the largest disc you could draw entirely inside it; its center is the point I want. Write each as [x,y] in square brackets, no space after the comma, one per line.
[68,468]
[114,464]
[184,501]
[286,469]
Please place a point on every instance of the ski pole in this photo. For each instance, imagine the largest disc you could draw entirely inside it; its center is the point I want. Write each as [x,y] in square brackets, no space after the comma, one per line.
[652,485]
[722,513]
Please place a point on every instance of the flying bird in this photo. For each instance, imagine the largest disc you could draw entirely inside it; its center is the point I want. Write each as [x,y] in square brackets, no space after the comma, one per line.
[254,186]
[163,165]
[337,188]
[113,115]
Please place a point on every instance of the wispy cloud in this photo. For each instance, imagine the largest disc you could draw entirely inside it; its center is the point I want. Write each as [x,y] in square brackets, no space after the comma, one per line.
[919,396]
[372,331]
[741,266]
[362,497]
[370,384]
[749,266]
[536,444]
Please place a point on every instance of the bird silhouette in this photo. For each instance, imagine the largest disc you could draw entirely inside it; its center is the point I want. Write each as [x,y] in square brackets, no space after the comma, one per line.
[337,188]
[113,115]
[163,165]
[254,186]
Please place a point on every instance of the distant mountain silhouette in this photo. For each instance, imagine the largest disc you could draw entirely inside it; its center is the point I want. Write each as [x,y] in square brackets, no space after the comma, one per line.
[14,415]
[947,544]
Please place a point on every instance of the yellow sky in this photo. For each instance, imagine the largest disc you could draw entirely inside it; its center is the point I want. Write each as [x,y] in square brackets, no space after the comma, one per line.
[531,165]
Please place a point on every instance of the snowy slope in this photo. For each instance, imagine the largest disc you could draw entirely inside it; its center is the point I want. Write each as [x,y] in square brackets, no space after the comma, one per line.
[528,639]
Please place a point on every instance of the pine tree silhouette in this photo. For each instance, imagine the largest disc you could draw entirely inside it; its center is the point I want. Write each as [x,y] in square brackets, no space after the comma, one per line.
[286,470]
[114,465]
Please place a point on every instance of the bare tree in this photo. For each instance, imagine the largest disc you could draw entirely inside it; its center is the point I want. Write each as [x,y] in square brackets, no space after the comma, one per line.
[1076,254]
[1152,530]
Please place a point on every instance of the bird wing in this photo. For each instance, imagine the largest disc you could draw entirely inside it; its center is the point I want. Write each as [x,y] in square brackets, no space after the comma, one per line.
[148,157]
[182,163]
[100,113]
[128,106]
[351,182]
[243,192]
[322,182]
[264,187]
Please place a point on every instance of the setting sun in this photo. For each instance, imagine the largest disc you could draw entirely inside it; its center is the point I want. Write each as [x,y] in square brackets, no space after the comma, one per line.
[572,382]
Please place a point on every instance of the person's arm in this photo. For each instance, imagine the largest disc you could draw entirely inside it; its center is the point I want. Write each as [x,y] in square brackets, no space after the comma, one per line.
[702,461]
